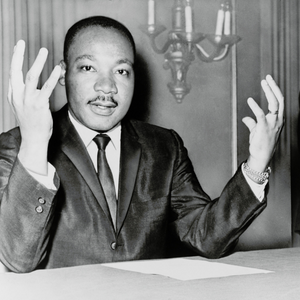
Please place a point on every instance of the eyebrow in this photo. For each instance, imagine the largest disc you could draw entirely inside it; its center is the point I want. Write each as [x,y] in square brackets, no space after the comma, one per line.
[125,61]
[92,58]
[84,56]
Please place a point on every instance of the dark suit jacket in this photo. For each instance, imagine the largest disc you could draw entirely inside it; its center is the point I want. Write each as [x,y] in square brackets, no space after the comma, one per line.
[160,200]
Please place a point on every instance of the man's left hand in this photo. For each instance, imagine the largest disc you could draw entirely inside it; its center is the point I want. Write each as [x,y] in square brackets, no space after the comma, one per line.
[265,131]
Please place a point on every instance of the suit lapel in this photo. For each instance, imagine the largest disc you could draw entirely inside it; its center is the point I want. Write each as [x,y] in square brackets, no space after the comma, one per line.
[73,147]
[71,144]
[130,158]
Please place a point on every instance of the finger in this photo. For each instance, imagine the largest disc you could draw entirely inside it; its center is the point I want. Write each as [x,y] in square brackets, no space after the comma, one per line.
[50,84]
[276,90]
[10,96]
[33,75]
[258,112]
[9,93]
[16,75]
[18,56]
[273,105]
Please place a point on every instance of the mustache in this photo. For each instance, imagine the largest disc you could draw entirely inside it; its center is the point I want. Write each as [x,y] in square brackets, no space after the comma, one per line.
[104,98]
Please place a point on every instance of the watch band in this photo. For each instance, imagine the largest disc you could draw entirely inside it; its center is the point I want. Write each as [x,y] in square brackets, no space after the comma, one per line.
[258,177]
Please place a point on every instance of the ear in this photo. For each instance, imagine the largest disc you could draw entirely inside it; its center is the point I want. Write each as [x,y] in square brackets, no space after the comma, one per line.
[63,66]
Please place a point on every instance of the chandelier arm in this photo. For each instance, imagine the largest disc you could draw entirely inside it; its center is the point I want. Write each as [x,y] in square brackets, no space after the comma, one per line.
[223,54]
[204,56]
[161,50]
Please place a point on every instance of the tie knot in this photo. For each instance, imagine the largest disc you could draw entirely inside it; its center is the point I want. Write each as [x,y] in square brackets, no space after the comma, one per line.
[101,140]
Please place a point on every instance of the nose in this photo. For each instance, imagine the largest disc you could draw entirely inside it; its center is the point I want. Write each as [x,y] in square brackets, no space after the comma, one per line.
[106,84]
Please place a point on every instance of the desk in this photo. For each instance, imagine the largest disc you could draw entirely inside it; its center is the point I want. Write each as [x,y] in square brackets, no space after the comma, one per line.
[99,282]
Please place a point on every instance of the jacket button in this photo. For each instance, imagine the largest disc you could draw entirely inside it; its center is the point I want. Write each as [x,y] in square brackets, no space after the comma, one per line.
[113,245]
[39,209]
[42,200]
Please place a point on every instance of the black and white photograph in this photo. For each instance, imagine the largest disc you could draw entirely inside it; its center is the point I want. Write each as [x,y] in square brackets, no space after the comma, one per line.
[149,149]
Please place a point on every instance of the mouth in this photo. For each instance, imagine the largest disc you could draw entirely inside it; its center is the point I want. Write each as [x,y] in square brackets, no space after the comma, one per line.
[103,105]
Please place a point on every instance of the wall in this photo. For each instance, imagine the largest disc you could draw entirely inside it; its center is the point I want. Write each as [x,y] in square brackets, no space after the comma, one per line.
[257,57]
[273,42]
[206,117]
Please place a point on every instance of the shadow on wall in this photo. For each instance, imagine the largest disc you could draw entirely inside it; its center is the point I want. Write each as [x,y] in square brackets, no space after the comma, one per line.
[297,204]
[141,99]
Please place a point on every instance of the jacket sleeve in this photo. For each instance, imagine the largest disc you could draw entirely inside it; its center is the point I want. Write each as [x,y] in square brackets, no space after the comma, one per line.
[210,227]
[26,211]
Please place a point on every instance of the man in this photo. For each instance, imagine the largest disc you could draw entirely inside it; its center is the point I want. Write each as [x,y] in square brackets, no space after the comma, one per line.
[57,212]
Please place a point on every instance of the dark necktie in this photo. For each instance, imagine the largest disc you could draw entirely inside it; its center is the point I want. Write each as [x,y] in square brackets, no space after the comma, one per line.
[105,175]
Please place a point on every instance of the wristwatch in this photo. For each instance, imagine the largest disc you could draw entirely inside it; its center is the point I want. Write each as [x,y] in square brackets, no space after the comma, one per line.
[258,177]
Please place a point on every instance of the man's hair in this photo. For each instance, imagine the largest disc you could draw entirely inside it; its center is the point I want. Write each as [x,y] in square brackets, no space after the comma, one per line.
[101,21]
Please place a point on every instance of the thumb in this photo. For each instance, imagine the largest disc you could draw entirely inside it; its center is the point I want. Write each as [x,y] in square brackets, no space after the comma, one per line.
[249,122]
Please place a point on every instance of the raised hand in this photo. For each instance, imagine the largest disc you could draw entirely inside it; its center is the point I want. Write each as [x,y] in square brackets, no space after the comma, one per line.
[265,131]
[31,107]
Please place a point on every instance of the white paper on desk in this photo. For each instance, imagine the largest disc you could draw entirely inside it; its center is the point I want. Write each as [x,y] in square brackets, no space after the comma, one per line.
[184,269]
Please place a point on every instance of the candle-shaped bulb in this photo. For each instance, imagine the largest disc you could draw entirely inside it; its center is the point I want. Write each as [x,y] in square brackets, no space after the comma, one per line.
[151,12]
[179,15]
[227,22]
[220,20]
[188,17]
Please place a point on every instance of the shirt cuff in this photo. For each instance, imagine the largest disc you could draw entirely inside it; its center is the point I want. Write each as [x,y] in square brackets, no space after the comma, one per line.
[46,180]
[257,189]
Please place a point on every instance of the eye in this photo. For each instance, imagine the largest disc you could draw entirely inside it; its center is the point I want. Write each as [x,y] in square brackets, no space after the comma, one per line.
[87,68]
[123,72]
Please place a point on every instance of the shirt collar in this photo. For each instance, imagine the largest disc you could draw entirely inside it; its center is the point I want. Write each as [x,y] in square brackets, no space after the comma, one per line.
[87,134]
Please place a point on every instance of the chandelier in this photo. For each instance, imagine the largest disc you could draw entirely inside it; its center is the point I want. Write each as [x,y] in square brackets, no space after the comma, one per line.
[183,43]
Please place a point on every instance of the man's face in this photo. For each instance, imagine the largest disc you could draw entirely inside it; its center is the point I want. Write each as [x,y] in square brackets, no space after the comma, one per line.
[100,77]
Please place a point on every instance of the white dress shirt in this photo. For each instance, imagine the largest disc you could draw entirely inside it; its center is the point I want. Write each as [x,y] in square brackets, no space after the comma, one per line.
[113,148]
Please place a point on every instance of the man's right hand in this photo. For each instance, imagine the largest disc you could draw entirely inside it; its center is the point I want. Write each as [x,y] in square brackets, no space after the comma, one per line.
[31,108]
